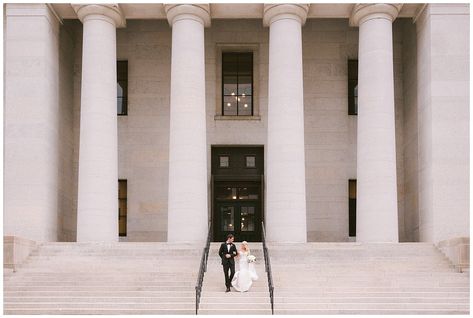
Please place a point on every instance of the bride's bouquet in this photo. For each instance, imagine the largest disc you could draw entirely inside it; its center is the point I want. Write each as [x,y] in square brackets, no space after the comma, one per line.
[251,258]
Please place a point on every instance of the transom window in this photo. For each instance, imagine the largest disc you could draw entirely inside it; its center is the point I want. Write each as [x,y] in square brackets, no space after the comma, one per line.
[237,83]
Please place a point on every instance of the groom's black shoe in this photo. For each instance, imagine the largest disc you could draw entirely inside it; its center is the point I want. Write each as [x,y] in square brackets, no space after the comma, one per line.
[228,289]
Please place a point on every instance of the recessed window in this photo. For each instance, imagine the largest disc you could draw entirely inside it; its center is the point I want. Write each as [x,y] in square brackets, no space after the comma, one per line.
[351,207]
[237,83]
[352,87]
[122,210]
[250,161]
[122,88]
[224,161]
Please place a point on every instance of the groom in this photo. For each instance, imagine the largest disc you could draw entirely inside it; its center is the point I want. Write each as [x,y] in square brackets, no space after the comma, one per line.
[227,252]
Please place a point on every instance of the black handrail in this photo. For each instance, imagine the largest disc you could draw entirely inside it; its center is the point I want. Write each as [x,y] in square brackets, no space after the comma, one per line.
[267,267]
[202,270]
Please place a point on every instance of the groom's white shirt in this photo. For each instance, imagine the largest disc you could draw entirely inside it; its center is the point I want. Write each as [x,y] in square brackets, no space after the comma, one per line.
[228,247]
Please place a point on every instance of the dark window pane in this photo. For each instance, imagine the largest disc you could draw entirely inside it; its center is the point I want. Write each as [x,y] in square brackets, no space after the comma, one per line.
[227,217]
[248,193]
[245,64]
[245,85]
[230,85]
[230,105]
[247,218]
[353,70]
[224,161]
[352,207]
[229,58]
[122,207]
[250,161]
[121,106]
[225,193]
[122,87]
[244,106]
[352,87]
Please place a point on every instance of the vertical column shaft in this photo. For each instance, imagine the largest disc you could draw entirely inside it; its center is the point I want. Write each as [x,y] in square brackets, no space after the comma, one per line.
[97,208]
[377,219]
[187,198]
[285,192]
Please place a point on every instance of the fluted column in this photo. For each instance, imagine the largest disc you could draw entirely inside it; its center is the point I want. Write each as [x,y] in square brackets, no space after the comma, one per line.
[377,211]
[97,207]
[285,176]
[187,197]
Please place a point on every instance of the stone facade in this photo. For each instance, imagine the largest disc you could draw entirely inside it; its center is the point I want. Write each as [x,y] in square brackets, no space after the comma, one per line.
[431,161]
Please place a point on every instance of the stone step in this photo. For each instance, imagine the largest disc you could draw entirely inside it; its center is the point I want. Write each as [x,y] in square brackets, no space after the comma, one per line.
[234,304]
[359,305]
[98,311]
[97,288]
[236,311]
[99,305]
[92,283]
[97,279]
[100,293]
[371,311]
[342,293]
[98,299]
[398,298]
[373,289]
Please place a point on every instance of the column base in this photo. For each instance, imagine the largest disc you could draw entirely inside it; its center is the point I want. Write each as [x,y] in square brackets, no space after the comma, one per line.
[457,250]
[15,250]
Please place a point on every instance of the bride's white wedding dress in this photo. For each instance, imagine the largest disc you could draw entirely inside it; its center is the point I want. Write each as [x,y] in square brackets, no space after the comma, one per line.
[246,275]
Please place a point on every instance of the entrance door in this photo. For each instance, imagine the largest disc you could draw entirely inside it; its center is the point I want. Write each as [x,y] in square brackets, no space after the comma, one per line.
[237,192]
[237,211]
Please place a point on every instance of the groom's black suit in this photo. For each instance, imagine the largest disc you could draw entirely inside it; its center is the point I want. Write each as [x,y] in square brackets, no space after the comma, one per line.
[228,263]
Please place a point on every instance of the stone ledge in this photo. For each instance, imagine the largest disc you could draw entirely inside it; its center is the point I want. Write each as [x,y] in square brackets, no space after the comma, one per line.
[457,250]
[15,250]
[221,117]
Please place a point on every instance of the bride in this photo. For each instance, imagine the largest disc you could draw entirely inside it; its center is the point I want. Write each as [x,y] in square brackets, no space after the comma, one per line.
[247,274]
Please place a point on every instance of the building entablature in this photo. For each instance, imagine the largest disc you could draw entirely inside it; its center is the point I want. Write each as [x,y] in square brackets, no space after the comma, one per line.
[233,10]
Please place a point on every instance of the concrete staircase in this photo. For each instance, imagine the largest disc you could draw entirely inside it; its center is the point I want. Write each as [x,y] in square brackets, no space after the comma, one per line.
[214,300]
[312,278]
[105,278]
[354,278]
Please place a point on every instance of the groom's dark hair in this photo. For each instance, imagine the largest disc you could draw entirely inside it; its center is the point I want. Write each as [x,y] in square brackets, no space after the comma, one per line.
[229,236]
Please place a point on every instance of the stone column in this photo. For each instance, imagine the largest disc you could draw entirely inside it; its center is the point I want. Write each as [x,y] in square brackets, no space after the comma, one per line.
[187,197]
[97,208]
[285,172]
[377,214]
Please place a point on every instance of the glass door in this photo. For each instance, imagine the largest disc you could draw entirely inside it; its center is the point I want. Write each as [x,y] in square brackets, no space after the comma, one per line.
[237,210]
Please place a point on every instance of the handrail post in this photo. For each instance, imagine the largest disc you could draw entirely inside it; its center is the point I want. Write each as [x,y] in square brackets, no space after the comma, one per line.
[202,270]
[267,267]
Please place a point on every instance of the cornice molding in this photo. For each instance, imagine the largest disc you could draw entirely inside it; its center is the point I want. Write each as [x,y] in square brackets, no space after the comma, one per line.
[275,12]
[111,11]
[364,12]
[197,12]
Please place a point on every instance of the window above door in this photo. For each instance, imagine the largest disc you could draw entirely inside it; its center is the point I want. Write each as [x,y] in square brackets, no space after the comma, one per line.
[237,72]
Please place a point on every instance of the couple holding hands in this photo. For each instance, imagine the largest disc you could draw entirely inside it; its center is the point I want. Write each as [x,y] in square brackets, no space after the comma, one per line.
[242,279]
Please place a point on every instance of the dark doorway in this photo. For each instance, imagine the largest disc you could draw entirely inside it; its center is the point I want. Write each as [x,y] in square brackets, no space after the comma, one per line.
[237,192]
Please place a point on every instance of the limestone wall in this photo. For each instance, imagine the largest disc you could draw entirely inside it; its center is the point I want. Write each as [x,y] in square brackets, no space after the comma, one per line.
[330,133]
[443,119]
[38,143]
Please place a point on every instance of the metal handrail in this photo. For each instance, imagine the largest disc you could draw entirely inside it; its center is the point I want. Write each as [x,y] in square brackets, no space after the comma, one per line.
[202,270]
[267,267]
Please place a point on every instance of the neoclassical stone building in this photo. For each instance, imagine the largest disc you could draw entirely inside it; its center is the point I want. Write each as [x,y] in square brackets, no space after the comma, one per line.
[152,122]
